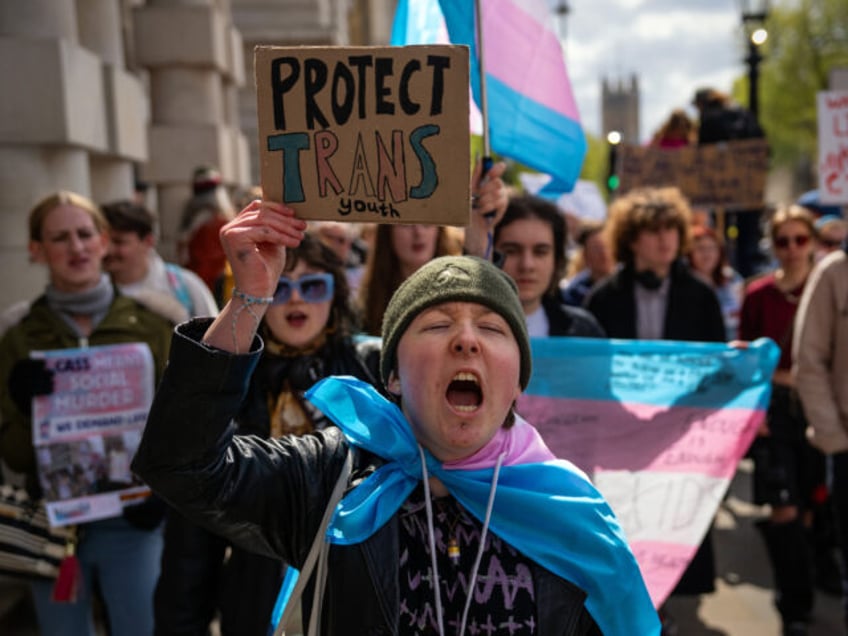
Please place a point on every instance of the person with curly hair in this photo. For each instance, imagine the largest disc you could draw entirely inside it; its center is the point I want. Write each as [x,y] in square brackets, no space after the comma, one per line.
[654,296]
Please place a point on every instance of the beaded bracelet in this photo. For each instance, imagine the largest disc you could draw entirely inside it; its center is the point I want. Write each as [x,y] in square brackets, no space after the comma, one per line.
[247,302]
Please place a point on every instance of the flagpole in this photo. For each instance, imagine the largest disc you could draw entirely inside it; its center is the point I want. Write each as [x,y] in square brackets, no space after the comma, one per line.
[484,112]
[484,105]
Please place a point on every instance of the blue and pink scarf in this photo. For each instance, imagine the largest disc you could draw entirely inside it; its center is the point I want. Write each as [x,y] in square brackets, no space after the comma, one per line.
[573,532]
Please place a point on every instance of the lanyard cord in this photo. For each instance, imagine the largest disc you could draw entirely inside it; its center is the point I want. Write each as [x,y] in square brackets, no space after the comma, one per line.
[431,536]
[480,549]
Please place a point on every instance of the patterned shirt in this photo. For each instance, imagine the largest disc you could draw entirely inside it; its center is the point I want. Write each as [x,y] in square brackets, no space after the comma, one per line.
[504,597]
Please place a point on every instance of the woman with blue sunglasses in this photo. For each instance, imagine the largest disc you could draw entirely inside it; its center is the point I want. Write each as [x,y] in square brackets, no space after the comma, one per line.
[308,335]
[307,332]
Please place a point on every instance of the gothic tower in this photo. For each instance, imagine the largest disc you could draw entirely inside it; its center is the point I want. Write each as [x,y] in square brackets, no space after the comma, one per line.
[620,108]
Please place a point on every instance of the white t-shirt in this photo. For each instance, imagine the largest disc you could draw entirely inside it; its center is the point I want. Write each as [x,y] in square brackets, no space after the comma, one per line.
[651,306]
[537,323]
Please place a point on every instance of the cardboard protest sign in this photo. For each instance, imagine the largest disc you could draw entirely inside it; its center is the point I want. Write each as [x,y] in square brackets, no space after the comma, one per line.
[367,134]
[730,174]
[87,430]
[833,146]
[659,427]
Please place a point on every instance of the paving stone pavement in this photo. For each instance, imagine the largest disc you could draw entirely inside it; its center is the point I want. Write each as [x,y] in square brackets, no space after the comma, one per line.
[743,602]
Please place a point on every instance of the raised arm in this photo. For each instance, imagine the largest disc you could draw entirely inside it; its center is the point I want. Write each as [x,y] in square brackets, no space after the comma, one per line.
[489,202]
[255,243]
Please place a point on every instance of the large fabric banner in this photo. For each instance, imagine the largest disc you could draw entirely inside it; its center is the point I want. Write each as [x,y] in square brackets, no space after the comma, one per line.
[658,426]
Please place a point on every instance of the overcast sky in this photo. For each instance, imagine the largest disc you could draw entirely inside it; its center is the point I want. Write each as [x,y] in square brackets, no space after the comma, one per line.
[673,47]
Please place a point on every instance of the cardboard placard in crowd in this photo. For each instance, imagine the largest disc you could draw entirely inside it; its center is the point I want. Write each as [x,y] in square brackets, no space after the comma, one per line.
[366,134]
[730,174]
[833,146]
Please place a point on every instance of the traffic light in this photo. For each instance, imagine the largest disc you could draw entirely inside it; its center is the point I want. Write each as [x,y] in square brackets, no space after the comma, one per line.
[613,180]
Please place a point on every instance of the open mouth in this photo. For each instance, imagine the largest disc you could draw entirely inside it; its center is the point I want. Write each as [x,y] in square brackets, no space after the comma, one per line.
[296,318]
[464,393]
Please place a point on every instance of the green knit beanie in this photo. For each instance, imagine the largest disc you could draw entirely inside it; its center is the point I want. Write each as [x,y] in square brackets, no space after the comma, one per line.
[451,279]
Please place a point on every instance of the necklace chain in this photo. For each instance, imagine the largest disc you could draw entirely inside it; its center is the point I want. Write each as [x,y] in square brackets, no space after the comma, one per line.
[452,539]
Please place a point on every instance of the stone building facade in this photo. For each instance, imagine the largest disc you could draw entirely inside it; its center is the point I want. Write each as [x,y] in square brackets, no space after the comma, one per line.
[102,93]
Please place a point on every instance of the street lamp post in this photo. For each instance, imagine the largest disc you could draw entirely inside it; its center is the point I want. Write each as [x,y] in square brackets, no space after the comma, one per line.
[754,58]
[744,229]
[754,16]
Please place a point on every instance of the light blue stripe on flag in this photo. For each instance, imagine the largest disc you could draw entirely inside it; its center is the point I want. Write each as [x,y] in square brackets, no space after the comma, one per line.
[537,136]
[418,22]
[652,372]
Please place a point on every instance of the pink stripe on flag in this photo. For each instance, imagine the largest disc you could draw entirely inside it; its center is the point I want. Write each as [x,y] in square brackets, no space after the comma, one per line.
[662,564]
[602,435]
[526,55]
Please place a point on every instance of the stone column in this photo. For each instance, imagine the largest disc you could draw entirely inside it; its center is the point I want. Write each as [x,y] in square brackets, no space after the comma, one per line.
[125,101]
[295,22]
[187,47]
[75,119]
[53,120]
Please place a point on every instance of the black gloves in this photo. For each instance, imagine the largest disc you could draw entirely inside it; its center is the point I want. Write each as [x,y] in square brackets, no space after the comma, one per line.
[146,515]
[27,379]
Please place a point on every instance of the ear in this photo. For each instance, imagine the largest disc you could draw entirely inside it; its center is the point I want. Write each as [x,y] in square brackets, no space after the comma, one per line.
[393,385]
[36,252]
[149,240]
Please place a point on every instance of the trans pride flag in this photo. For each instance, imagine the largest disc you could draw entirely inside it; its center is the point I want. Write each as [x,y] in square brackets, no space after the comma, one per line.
[659,427]
[533,116]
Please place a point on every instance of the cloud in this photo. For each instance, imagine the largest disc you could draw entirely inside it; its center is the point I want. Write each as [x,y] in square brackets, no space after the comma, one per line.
[673,48]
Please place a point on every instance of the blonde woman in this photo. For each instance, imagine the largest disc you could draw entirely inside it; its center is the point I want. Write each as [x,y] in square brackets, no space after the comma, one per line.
[80,307]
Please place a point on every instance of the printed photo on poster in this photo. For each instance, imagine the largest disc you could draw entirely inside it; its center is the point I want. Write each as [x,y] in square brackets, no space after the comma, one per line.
[87,430]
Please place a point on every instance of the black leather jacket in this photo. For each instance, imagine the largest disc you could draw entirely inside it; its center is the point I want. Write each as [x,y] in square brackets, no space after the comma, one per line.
[268,496]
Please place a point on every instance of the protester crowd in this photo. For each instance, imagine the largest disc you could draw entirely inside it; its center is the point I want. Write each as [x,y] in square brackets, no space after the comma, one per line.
[652,271]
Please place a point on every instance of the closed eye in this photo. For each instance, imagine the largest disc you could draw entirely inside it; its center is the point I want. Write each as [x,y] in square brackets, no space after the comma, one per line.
[435,326]
[494,328]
